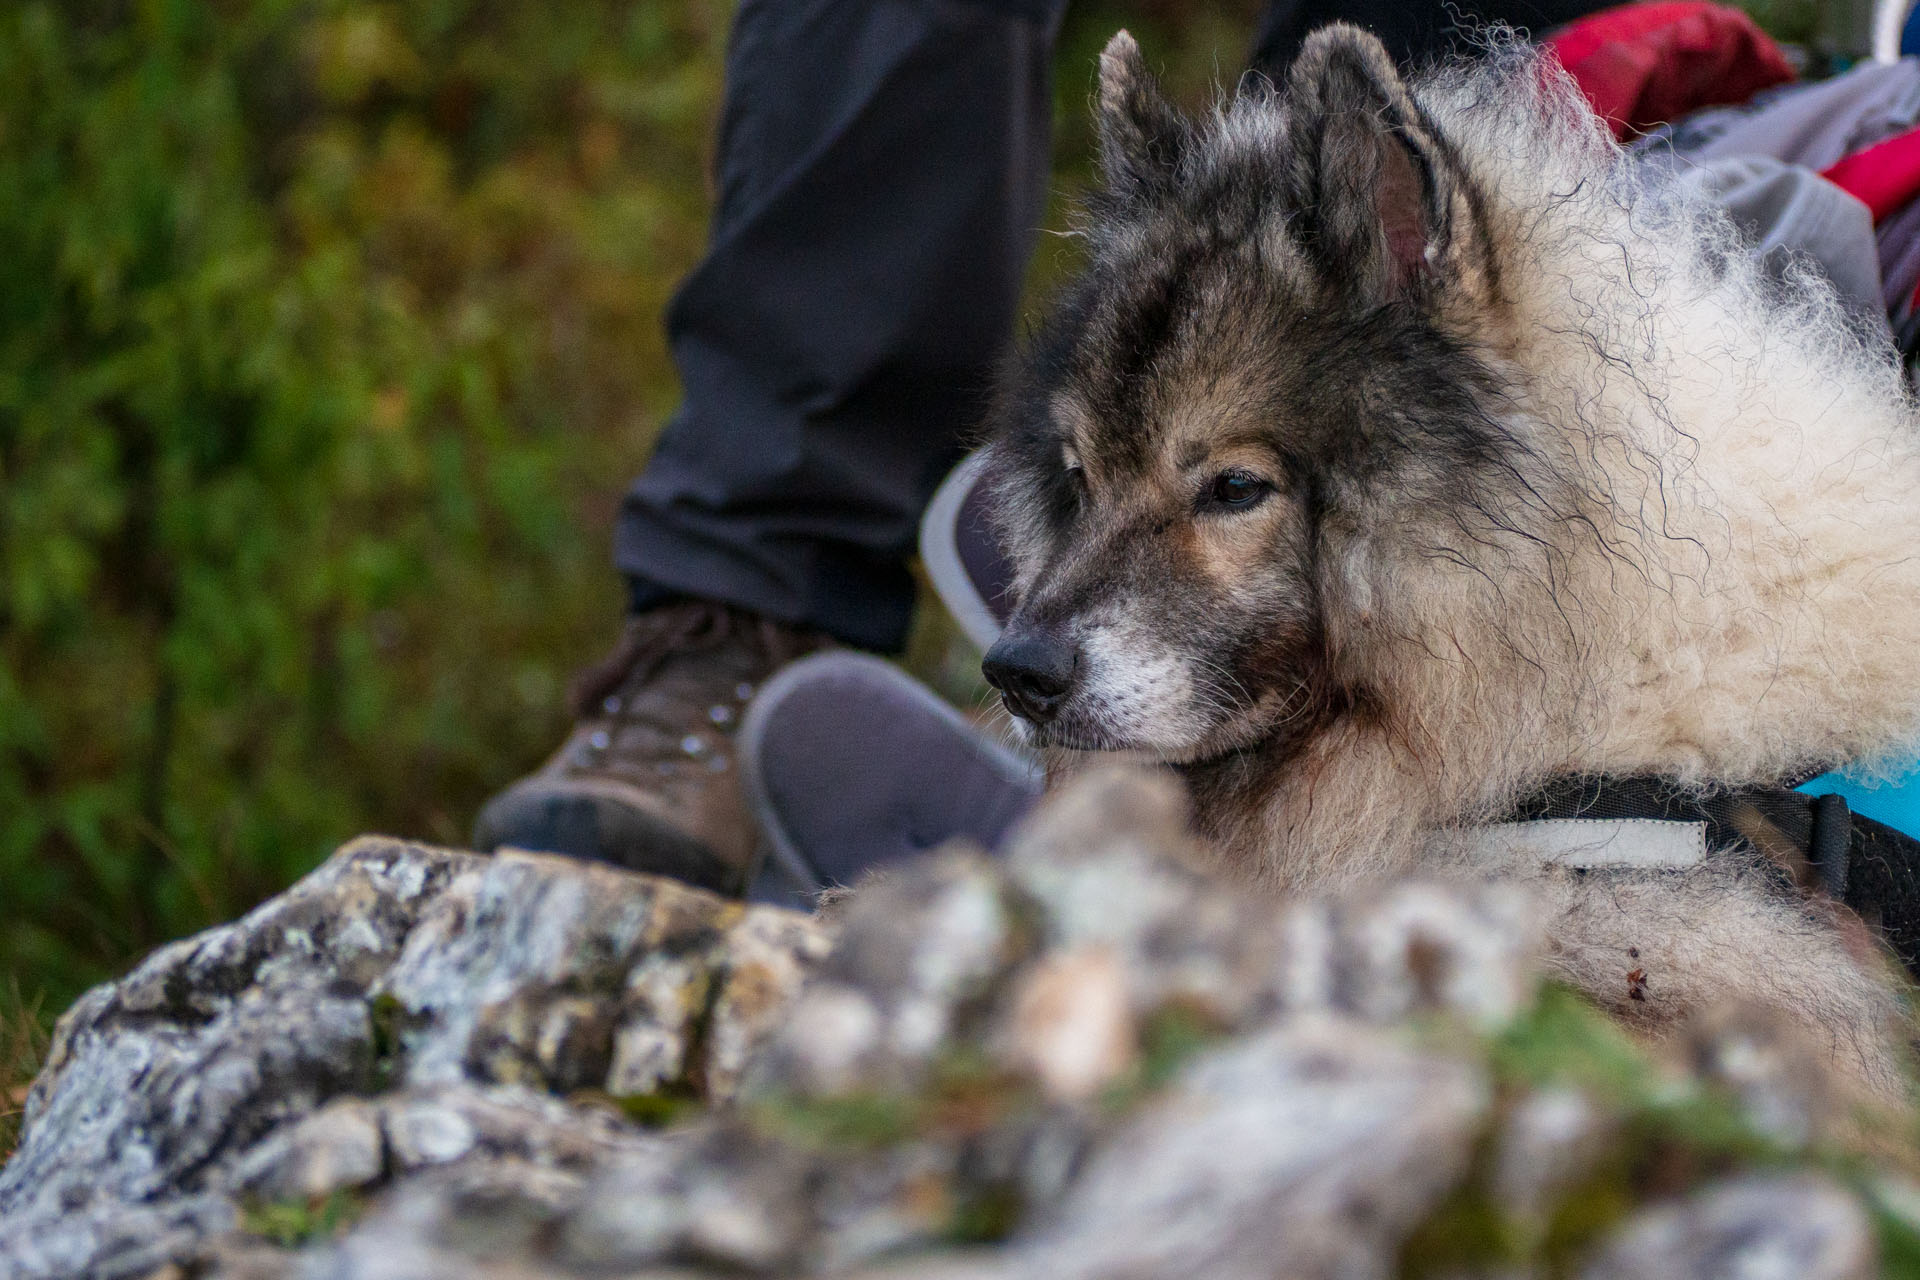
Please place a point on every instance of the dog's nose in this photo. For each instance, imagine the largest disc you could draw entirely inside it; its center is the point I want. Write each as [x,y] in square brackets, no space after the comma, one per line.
[1033,672]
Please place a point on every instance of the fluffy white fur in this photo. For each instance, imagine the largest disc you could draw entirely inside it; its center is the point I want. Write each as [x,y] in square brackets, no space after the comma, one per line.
[1710,568]
[1715,573]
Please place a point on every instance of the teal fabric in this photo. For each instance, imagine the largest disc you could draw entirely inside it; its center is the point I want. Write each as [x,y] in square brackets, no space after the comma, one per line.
[1896,803]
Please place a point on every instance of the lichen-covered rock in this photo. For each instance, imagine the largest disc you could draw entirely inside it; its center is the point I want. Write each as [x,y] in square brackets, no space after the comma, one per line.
[1794,1227]
[920,958]
[208,1076]
[152,1082]
[1315,1147]
[1071,1025]
[1552,1138]
[337,1148]
[1768,1064]
[1086,1057]
[554,973]
[1109,864]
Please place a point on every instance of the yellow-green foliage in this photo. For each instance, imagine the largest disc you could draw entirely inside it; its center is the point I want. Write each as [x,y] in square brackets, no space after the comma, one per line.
[23,1042]
[328,340]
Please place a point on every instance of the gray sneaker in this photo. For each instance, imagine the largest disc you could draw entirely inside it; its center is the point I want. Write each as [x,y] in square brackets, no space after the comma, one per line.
[851,764]
[648,778]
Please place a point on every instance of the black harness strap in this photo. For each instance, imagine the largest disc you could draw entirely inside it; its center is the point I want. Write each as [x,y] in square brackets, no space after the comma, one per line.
[1871,867]
[1830,843]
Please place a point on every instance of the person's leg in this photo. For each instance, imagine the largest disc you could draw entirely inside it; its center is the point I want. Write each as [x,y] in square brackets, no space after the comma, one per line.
[882,174]
[882,169]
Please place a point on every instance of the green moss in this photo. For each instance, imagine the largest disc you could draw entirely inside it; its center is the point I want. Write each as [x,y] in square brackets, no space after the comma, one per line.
[665,1106]
[1671,1135]
[1469,1233]
[1173,1034]
[965,1093]
[987,1214]
[1563,1039]
[859,1120]
[387,1015]
[1588,1210]
[1899,1245]
[289,1223]
[1169,1038]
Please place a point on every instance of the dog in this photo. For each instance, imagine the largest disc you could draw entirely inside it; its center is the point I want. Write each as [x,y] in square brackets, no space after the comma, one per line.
[1405,447]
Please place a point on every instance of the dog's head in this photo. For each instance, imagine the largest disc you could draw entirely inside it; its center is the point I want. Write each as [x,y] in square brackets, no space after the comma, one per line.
[1269,357]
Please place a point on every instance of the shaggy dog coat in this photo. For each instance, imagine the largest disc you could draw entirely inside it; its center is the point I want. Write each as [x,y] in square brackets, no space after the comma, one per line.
[1405,446]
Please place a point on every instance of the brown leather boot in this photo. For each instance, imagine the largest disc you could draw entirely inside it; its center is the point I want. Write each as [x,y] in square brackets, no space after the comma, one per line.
[648,778]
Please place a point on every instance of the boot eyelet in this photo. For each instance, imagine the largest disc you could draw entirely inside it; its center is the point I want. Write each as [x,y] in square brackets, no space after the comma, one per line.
[693,744]
[612,704]
[720,714]
[600,740]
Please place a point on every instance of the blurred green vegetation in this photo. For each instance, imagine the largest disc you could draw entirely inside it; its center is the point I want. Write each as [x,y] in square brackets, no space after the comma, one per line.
[329,338]
[327,333]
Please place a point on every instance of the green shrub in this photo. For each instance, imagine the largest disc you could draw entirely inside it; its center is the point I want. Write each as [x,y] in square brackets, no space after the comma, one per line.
[328,341]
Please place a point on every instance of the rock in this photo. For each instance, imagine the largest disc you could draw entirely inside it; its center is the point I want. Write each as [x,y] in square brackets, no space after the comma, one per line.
[825,1048]
[1769,1227]
[553,973]
[153,1081]
[337,1148]
[209,1074]
[481,1219]
[1314,1146]
[766,957]
[1770,1065]
[1551,1139]
[1470,950]
[744,1203]
[1110,864]
[1071,1026]
[425,1131]
[920,957]
[1090,1058]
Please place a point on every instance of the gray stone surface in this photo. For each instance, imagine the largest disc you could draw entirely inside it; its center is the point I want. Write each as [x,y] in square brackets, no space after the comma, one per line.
[208,1077]
[1306,1150]
[1087,1058]
[1793,1227]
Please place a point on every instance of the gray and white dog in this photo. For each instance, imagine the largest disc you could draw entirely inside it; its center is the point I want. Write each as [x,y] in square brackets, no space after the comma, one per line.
[1404,447]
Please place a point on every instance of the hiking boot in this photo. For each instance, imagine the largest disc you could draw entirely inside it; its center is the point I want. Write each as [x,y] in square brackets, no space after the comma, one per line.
[648,779]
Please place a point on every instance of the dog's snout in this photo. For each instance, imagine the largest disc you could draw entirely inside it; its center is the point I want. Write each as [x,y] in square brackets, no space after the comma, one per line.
[1033,672]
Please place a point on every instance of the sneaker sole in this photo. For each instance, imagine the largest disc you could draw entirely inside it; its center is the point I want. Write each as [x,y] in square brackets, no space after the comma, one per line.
[585,820]
[851,670]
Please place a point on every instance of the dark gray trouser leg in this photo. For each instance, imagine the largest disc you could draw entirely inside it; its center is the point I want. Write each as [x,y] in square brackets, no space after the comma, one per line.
[882,169]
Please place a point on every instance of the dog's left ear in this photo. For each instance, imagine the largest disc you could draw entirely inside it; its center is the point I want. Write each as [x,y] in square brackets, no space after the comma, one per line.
[1374,182]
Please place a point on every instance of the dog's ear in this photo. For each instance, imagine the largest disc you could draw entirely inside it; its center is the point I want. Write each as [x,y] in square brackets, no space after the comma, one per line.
[1374,182]
[1141,135]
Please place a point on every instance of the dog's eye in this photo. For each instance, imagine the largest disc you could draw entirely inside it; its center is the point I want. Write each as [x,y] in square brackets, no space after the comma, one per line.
[1238,489]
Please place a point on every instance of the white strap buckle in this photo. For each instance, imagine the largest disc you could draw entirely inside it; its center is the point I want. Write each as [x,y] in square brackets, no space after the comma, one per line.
[1587,843]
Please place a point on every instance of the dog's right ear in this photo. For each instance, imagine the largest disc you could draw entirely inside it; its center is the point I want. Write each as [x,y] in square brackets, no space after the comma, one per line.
[1374,183]
[1141,135]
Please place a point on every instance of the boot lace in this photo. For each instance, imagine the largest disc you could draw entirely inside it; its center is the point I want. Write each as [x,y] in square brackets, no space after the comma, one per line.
[654,638]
